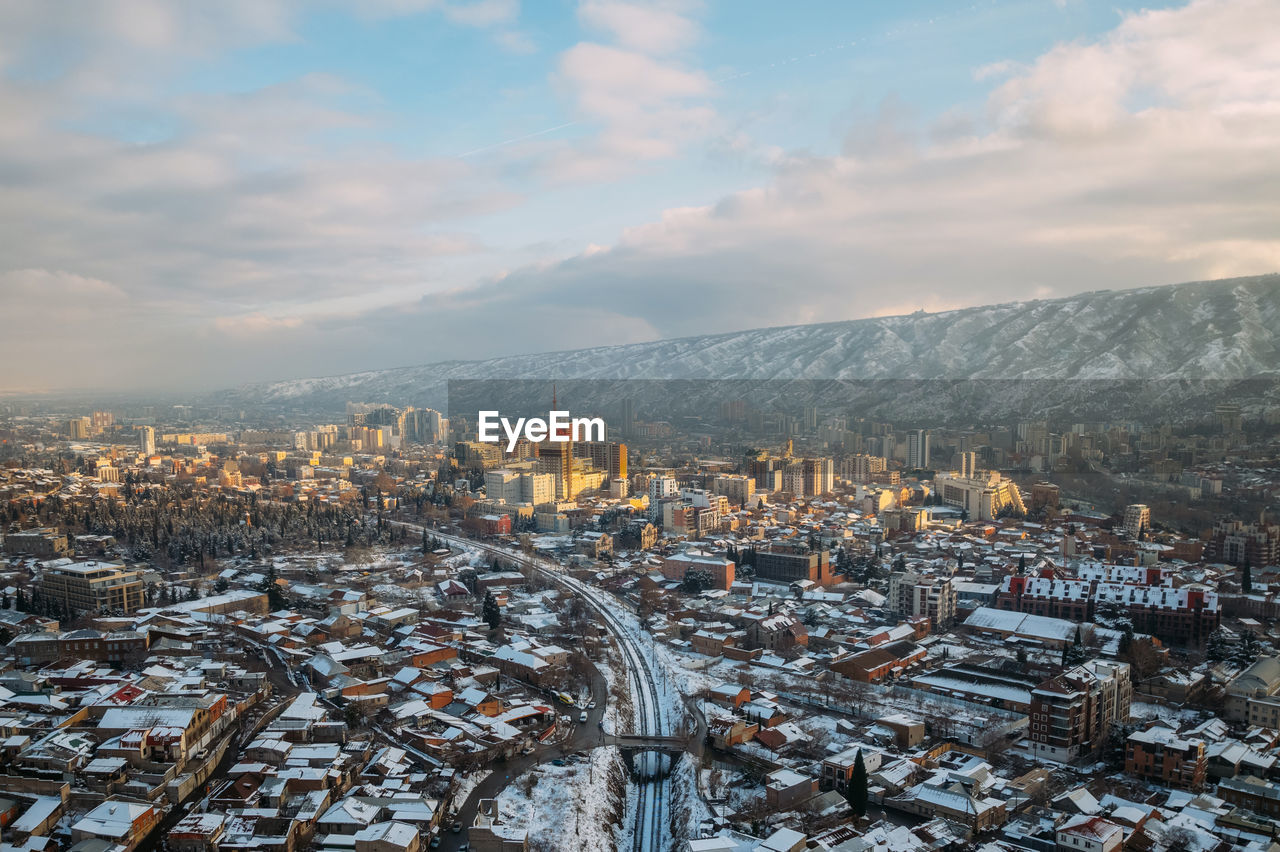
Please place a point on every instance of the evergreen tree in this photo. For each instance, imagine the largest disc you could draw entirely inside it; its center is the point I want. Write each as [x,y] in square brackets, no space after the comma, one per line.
[1022,563]
[1126,641]
[1074,654]
[491,613]
[856,792]
[1246,577]
[696,581]
[1248,649]
[1219,646]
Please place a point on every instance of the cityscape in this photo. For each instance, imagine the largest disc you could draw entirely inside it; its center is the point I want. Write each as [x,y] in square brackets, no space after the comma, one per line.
[640,426]
[776,630]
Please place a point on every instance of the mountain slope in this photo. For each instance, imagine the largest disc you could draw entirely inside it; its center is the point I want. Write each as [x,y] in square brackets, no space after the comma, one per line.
[1199,333]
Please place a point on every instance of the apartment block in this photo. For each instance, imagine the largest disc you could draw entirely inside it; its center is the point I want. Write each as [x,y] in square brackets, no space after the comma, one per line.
[94,586]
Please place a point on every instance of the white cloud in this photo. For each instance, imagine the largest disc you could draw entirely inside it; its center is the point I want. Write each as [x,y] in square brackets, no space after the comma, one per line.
[1145,157]
[649,27]
[646,104]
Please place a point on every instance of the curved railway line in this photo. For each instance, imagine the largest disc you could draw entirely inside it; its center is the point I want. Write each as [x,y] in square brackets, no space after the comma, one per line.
[652,793]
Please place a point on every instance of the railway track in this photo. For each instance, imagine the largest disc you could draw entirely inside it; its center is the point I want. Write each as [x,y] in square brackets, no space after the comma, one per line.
[652,794]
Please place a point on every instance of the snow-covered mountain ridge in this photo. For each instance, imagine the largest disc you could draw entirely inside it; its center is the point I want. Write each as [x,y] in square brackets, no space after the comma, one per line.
[1210,331]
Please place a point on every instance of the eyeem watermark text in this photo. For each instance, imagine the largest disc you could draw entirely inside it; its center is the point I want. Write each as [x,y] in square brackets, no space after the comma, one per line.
[559,427]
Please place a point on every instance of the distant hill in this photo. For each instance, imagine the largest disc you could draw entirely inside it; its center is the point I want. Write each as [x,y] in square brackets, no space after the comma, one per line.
[1094,354]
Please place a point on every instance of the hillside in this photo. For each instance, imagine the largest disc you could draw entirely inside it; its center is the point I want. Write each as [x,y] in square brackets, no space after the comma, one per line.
[1156,345]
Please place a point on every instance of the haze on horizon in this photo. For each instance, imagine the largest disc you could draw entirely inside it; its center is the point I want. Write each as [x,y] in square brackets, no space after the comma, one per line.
[199,196]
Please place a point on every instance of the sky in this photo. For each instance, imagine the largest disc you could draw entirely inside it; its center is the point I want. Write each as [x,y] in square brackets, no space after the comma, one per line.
[200,195]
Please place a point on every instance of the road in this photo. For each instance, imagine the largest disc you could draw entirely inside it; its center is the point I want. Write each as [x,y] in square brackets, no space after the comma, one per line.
[652,717]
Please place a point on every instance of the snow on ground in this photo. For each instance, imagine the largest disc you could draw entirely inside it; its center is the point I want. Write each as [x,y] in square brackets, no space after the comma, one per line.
[566,807]
[1141,711]
[617,714]
[467,783]
[688,810]
[390,592]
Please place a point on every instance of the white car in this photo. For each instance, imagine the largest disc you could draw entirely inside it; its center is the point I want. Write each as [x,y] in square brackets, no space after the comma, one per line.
[591,706]
[582,717]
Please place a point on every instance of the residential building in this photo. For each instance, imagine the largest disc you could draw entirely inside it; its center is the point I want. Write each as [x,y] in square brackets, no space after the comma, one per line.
[930,596]
[1184,615]
[1162,757]
[43,543]
[879,664]
[147,440]
[123,823]
[1237,542]
[1072,713]
[1087,833]
[93,586]
[738,489]
[1253,794]
[490,834]
[720,569]
[1137,520]
[785,788]
[778,632]
[607,456]
[787,563]
[917,449]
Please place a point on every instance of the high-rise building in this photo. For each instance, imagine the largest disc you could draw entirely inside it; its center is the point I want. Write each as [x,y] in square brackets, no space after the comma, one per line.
[1137,519]
[969,465]
[537,488]
[628,418]
[819,476]
[737,488]
[608,456]
[861,467]
[662,487]
[912,595]
[918,449]
[811,418]
[147,440]
[502,485]
[78,428]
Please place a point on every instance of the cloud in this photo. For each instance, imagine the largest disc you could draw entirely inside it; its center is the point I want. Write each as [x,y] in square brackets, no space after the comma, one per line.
[652,28]
[255,324]
[270,233]
[483,13]
[645,104]
[1144,157]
